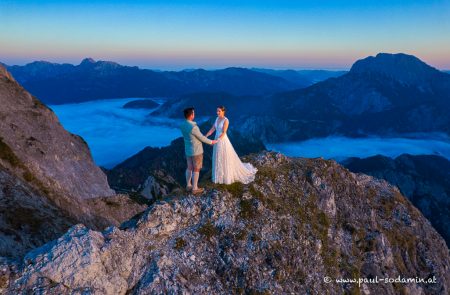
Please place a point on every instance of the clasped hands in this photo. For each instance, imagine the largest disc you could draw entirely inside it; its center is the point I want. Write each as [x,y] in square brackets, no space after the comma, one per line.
[214,141]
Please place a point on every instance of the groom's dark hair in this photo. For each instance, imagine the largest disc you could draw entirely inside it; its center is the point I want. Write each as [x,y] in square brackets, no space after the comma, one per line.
[188,111]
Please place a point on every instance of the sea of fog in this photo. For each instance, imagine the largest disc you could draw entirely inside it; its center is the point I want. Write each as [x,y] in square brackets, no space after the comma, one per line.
[339,148]
[114,134]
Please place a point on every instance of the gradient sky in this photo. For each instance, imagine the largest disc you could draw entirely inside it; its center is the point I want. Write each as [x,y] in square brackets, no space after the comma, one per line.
[215,34]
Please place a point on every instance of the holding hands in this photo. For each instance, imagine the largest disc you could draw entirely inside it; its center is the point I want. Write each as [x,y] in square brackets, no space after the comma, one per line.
[214,141]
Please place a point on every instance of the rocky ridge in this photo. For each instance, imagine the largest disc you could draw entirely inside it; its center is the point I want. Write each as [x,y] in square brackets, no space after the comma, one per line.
[301,220]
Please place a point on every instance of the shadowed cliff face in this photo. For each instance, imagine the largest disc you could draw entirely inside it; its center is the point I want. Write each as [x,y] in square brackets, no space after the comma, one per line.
[27,219]
[300,221]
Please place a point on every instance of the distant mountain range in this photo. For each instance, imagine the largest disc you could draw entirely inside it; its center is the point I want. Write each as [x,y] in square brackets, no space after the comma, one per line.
[205,104]
[389,94]
[302,78]
[300,221]
[64,83]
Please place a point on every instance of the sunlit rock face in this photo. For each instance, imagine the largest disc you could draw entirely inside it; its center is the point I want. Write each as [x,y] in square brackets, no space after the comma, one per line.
[58,159]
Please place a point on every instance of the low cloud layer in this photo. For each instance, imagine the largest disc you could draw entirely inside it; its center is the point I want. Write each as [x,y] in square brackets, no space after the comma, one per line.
[113,133]
[339,148]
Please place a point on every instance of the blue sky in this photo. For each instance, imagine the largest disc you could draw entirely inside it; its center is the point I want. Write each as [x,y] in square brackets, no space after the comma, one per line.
[216,34]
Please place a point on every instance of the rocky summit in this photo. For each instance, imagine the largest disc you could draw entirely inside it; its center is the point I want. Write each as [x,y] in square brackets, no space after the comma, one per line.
[302,223]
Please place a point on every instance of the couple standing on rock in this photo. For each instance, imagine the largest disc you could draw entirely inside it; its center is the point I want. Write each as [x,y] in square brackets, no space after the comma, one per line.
[226,165]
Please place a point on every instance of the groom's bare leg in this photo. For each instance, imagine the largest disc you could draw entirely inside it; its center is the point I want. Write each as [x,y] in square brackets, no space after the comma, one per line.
[195,176]
[188,177]
[190,168]
[198,163]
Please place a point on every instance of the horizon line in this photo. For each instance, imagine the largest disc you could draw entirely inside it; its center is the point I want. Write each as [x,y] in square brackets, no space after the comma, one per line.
[207,68]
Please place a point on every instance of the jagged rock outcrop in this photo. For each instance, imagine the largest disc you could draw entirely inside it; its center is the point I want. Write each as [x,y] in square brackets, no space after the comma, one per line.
[59,160]
[158,185]
[28,218]
[424,179]
[48,180]
[301,221]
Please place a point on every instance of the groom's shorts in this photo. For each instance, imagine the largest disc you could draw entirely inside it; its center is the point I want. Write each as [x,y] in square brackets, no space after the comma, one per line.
[195,162]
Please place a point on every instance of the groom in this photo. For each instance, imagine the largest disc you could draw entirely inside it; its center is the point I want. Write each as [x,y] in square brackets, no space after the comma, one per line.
[193,148]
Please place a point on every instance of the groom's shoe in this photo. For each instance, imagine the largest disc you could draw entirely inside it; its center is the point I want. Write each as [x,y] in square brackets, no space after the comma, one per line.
[199,190]
[189,188]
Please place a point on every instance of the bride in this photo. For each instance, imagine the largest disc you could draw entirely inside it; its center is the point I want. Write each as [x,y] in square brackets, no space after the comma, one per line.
[226,165]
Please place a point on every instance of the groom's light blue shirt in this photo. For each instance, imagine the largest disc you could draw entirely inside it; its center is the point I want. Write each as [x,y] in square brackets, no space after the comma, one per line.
[193,138]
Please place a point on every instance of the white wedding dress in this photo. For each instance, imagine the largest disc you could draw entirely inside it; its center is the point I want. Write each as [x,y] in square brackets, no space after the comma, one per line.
[226,165]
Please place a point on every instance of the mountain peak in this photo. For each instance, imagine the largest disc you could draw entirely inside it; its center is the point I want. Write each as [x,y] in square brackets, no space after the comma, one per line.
[87,61]
[405,68]
[100,65]
[4,72]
